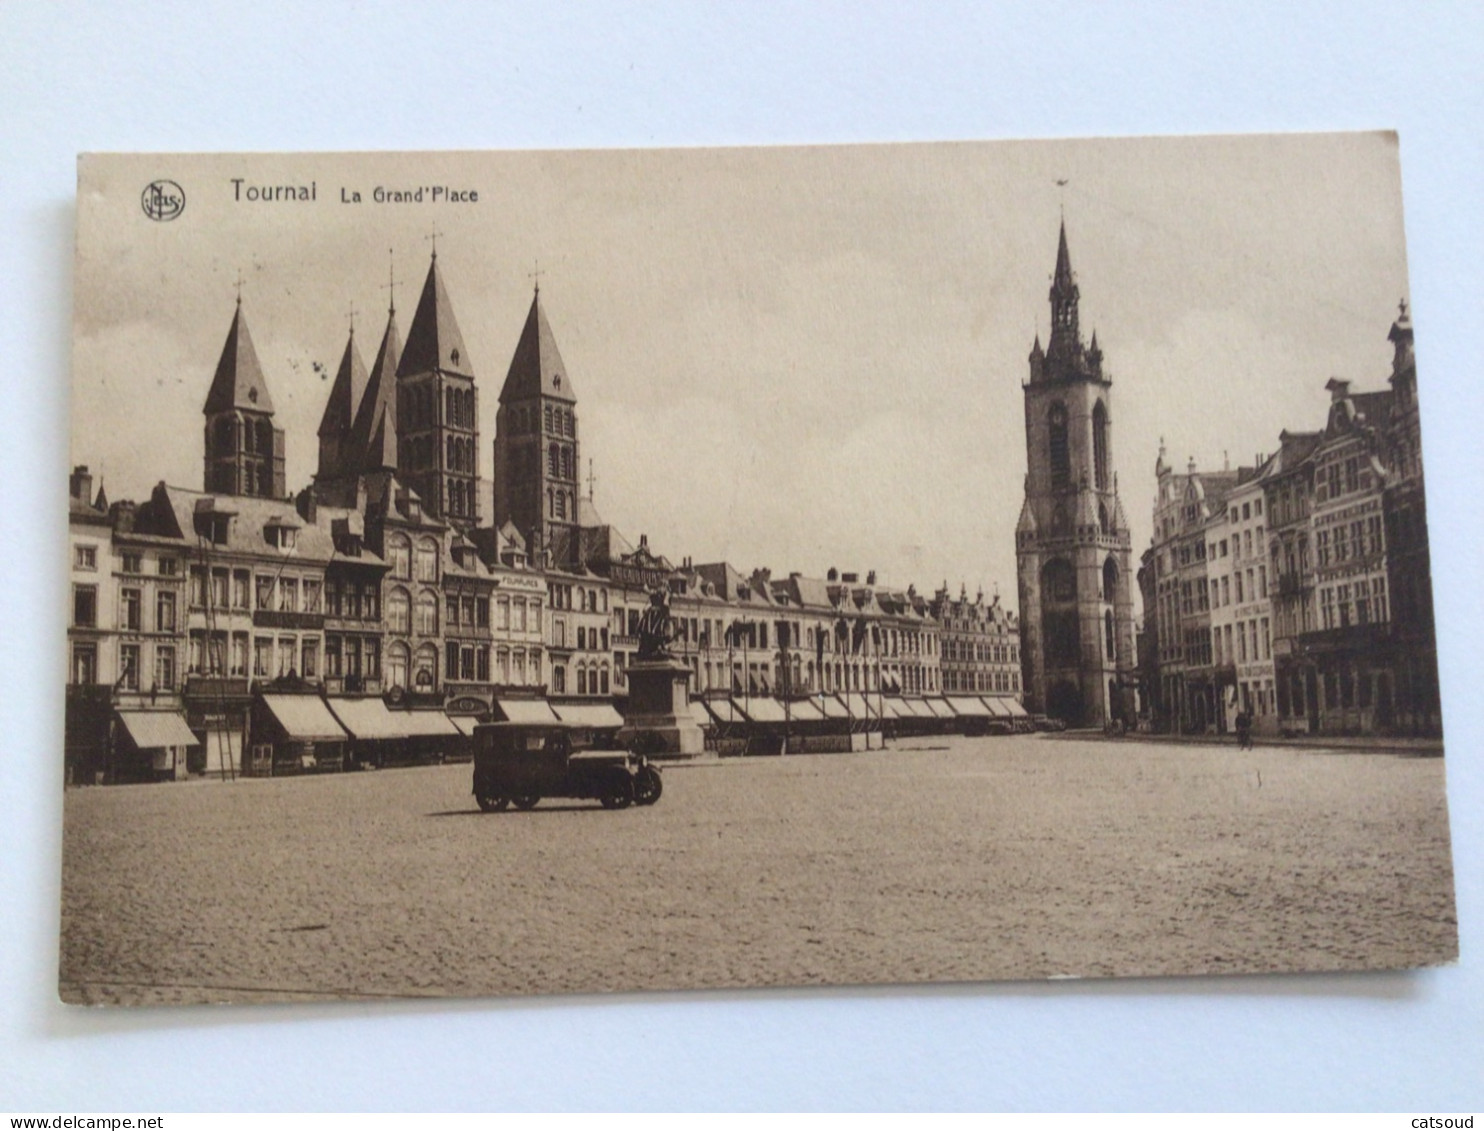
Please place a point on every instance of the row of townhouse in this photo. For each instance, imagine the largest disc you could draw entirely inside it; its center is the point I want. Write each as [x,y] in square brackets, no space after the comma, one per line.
[1297,590]
[378,613]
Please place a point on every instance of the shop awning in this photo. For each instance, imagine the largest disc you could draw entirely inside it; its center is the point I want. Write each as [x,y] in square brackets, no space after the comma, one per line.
[599,716]
[151,729]
[426,724]
[919,709]
[969,708]
[805,711]
[702,716]
[1014,707]
[530,711]
[305,717]
[760,710]
[862,706]
[895,708]
[366,718]
[723,710]
[995,707]
[832,707]
[940,708]
[465,724]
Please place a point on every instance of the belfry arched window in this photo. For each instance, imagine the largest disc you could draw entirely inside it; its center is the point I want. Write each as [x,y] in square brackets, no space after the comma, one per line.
[1057,450]
[1100,446]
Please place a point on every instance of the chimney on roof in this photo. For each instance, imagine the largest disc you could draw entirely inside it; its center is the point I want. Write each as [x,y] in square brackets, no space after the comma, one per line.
[121,514]
[80,483]
[871,577]
[1338,389]
[306,505]
[1226,462]
[832,575]
[850,578]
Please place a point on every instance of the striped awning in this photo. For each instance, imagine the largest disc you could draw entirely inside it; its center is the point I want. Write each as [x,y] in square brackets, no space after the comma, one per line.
[599,716]
[150,729]
[305,717]
[940,708]
[968,707]
[530,711]
[426,724]
[366,718]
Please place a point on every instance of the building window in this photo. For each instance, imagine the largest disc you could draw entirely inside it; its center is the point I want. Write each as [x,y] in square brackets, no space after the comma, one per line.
[396,665]
[168,567]
[288,595]
[427,560]
[85,606]
[219,585]
[165,668]
[129,667]
[427,613]
[262,657]
[86,557]
[399,555]
[165,612]
[398,611]
[85,663]
[558,679]
[129,614]
[311,595]
[425,668]
[239,653]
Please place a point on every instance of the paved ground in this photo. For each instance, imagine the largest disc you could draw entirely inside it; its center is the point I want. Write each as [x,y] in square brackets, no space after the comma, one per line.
[980,859]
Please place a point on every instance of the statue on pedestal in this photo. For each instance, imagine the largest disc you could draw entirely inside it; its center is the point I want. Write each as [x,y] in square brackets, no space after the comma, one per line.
[656,628]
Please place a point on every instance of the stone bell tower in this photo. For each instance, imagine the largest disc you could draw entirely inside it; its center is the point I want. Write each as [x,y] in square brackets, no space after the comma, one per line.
[1072,540]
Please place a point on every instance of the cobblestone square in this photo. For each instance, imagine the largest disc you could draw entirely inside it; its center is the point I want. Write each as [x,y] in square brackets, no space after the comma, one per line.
[1000,858]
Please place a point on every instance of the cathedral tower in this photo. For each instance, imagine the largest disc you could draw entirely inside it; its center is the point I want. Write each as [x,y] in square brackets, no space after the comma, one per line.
[244,451]
[437,414]
[336,451]
[1072,540]
[536,442]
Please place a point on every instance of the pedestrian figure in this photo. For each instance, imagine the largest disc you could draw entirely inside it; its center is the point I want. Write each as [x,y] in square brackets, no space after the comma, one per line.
[1244,731]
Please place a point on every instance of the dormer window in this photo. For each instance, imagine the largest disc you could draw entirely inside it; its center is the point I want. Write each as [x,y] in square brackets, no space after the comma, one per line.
[280,536]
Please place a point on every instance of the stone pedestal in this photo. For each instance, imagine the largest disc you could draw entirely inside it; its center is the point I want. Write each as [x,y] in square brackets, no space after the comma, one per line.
[659,705]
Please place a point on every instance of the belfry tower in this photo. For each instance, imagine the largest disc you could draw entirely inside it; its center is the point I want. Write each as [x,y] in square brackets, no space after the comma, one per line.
[1072,540]
[244,451]
[437,413]
[536,443]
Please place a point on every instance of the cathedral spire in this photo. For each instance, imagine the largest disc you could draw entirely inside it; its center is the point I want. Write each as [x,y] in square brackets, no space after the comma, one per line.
[335,457]
[238,383]
[433,340]
[536,369]
[373,437]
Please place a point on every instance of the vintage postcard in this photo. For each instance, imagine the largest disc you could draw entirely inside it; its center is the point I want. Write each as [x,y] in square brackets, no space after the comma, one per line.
[550,572]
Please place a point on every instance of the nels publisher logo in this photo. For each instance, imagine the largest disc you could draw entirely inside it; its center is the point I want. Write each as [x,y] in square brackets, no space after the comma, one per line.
[162,200]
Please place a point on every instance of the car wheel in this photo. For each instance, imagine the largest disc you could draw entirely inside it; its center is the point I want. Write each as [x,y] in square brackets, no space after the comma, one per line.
[648,785]
[527,802]
[619,793]
[491,804]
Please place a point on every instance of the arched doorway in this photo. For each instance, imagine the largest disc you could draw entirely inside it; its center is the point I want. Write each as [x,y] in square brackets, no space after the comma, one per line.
[1064,702]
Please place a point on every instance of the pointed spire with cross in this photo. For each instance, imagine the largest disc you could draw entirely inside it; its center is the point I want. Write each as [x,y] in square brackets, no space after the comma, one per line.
[432,237]
[390,286]
[238,286]
[535,275]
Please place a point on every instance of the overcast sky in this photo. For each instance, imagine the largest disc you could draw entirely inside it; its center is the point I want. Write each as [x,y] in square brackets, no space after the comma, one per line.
[792,357]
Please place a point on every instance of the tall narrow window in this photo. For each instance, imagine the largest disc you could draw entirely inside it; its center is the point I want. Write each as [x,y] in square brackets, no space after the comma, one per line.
[1100,446]
[1061,466]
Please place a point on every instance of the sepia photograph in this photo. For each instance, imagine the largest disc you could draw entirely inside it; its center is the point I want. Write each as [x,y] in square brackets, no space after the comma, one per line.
[590,571]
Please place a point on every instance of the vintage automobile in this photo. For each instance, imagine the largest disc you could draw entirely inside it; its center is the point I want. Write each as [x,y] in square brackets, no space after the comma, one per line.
[520,763]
